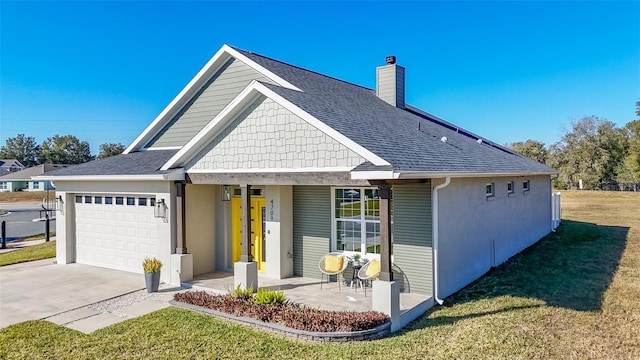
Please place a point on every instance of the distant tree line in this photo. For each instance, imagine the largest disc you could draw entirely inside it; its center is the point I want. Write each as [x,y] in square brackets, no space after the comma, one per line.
[594,151]
[57,149]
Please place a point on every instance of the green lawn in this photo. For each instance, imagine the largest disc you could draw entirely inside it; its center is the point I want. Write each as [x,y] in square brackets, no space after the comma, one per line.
[31,253]
[572,295]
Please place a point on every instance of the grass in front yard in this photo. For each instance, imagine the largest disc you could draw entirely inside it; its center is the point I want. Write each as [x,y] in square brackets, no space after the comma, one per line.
[26,196]
[572,295]
[31,253]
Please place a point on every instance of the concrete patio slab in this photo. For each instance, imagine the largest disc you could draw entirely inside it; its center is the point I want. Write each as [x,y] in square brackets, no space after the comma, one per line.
[39,289]
[91,324]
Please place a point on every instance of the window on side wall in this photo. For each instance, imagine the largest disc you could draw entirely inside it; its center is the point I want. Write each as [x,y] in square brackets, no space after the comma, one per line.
[356,219]
[526,185]
[510,187]
[36,185]
[490,190]
[3,185]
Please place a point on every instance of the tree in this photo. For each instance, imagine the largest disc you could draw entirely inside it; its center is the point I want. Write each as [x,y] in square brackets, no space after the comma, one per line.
[66,149]
[109,149]
[591,151]
[628,172]
[22,148]
[532,149]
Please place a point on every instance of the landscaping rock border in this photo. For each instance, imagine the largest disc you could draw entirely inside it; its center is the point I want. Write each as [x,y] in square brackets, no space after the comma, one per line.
[377,332]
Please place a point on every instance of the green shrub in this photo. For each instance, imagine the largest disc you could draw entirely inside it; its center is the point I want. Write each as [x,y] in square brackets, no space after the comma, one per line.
[266,296]
[241,293]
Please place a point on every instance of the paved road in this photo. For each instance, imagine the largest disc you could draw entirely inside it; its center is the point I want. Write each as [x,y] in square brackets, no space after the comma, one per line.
[20,220]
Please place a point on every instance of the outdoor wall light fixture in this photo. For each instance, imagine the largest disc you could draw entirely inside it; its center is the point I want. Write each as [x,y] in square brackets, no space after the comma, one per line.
[59,204]
[226,193]
[160,210]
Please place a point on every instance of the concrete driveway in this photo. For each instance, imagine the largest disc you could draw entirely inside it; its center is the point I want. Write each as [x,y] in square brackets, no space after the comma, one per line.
[39,289]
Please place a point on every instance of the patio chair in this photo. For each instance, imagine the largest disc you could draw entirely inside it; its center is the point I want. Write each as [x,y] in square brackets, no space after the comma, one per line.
[332,263]
[369,271]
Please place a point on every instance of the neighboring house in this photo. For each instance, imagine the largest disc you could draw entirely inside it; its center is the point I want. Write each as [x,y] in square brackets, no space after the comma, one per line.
[314,159]
[23,180]
[10,165]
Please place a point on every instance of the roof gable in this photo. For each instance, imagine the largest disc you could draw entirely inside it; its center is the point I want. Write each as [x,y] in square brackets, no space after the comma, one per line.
[185,100]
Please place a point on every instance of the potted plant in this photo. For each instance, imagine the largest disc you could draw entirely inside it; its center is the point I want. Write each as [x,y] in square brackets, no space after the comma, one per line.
[356,259]
[152,268]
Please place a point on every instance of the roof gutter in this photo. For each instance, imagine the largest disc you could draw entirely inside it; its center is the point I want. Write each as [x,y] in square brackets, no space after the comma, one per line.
[390,174]
[172,176]
[436,237]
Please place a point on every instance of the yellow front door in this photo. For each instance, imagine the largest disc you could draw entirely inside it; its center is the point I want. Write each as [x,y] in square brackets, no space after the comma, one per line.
[258,250]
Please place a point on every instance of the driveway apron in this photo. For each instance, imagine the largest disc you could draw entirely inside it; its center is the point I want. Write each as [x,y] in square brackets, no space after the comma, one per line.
[39,289]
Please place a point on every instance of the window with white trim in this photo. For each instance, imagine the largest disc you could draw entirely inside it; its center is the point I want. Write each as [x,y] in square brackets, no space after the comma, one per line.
[490,189]
[3,185]
[526,185]
[356,220]
[510,187]
[36,185]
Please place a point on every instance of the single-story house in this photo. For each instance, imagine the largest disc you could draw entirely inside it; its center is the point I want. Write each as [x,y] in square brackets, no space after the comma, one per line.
[10,165]
[259,166]
[21,180]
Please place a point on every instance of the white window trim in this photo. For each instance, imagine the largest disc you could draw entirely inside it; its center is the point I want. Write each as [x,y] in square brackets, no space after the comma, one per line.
[513,187]
[493,190]
[528,182]
[363,232]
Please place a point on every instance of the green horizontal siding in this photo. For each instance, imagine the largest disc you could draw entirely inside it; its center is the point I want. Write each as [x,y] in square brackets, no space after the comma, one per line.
[311,228]
[225,85]
[412,237]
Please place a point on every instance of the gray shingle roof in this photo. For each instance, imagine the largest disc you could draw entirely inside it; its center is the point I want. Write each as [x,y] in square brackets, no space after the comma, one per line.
[408,140]
[136,163]
[27,173]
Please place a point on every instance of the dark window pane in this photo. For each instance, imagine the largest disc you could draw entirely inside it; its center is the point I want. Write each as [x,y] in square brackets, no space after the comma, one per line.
[87,199]
[131,201]
[142,201]
[119,200]
[98,199]
[108,200]
[79,199]
[152,201]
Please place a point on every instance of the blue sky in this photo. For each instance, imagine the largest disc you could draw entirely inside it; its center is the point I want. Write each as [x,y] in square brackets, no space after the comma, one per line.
[509,71]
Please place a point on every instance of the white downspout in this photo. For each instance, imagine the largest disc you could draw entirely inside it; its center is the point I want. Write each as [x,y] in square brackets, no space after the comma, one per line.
[434,204]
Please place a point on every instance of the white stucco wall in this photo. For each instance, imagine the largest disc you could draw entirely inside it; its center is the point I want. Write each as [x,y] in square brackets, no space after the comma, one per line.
[476,232]
[279,231]
[65,222]
[200,221]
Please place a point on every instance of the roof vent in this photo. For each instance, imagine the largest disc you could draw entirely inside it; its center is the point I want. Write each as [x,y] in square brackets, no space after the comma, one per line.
[479,141]
[443,139]
[391,59]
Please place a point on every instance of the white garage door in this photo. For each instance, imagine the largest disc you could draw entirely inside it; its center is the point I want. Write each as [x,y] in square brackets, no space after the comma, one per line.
[115,231]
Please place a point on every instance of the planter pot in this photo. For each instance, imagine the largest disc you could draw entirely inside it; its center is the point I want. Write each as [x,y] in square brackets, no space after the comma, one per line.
[152,279]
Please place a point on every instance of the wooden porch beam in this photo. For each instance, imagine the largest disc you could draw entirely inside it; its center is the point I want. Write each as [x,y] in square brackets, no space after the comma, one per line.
[384,190]
[245,194]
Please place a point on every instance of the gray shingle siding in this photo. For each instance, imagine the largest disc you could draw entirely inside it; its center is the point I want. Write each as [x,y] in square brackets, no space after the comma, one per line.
[226,84]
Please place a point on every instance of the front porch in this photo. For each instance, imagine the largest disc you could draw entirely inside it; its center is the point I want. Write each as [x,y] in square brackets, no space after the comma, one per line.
[307,292]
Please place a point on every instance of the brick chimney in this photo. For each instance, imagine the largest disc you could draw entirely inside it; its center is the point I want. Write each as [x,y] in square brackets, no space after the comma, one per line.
[390,82]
